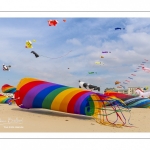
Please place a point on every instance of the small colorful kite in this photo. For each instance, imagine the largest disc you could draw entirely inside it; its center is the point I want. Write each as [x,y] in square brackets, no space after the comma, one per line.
[6,88]
[119,87]
[99,63]
[102,56]
[146,69]
[117,82]
[28,44]
[133,74]
[64,20]
[52,22]
[92,72]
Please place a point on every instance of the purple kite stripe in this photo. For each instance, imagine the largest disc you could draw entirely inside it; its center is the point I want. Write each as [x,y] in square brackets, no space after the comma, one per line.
[33,92]
[79,102]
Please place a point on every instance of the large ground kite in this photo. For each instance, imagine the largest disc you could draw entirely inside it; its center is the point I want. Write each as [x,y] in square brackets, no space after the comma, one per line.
[132,101]
[34,93]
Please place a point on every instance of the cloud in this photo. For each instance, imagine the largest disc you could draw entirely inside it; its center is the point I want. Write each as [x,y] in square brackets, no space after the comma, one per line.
[74,41]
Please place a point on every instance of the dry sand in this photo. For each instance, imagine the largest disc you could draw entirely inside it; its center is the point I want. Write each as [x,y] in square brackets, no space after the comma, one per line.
[15,119]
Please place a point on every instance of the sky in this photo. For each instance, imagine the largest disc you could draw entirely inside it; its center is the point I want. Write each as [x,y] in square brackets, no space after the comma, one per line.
[80,41]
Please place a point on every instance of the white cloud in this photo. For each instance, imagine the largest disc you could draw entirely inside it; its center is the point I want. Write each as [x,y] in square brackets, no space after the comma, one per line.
[74,41]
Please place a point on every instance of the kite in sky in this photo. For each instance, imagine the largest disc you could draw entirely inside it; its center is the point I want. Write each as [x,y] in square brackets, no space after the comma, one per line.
[130,78]
[146,69]
[52,22]
[119,87]
[6,68]
[92,72]
[36,55]
[133,74]
[28,44]
[123,86]
[99,63]
[64,20]
[102,56]
[117,82]
[119,28]
[105,52]
[88,86]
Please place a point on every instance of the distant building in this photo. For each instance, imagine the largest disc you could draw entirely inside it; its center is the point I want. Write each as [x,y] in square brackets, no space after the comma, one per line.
[125,91]
[131,90]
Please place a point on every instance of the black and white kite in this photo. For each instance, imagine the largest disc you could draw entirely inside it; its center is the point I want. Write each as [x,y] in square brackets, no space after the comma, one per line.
[88,86]
[6,68]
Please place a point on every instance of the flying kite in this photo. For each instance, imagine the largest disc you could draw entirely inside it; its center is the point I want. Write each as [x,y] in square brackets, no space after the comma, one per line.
[28,44]
[146,69]
[146,59]
[36,55]
[88,86]
[127,80]
[119,87]
[92,72]
[102,56]
[105,52]
[135,71]
[130,78]
[99,63]
[117,82]
[119,28]
[52,22]
[123,86]
[133,74]
[6,68]
[64,20]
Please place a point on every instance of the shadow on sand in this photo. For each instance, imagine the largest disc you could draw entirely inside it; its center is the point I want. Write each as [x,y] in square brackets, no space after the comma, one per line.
[53,113]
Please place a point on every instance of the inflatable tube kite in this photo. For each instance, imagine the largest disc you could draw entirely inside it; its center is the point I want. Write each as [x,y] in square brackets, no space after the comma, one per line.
[34,93]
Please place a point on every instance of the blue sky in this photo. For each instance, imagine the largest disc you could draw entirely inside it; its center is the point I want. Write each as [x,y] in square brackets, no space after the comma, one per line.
[86,38]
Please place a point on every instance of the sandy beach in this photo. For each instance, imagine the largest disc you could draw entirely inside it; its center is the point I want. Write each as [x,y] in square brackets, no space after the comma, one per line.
[15,119]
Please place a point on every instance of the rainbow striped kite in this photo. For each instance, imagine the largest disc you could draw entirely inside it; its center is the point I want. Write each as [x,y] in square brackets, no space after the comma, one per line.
[34,93]
[8,88]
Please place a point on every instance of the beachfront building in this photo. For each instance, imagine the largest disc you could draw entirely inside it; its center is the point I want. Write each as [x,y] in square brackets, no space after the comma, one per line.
[131,90]
[125,91]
